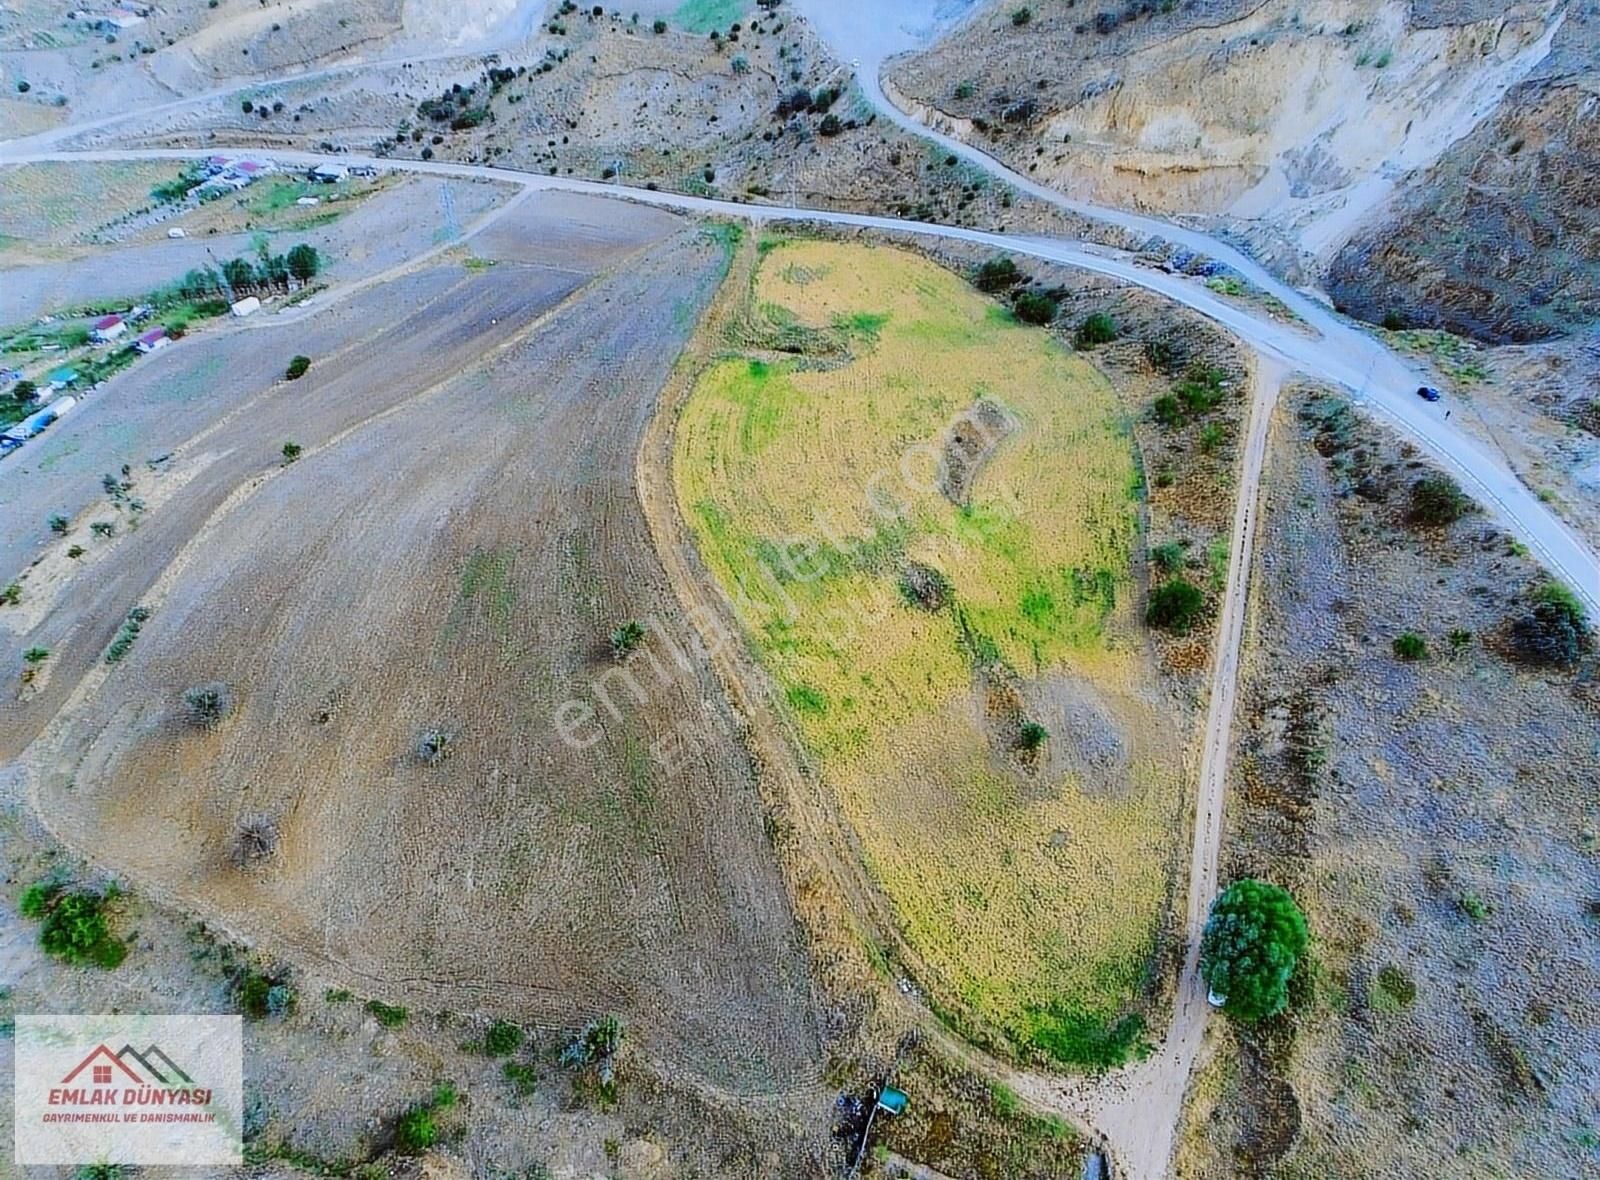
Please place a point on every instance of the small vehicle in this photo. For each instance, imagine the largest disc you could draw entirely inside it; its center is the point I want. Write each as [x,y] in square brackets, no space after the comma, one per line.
[1428,393]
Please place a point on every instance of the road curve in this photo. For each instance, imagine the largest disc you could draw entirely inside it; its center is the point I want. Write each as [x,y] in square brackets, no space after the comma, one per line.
[1341,355]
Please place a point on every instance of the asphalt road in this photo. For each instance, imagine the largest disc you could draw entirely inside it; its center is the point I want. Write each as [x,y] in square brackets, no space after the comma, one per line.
[1337,352]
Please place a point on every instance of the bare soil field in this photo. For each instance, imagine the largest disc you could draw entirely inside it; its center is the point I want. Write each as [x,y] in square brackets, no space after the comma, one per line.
[368,238]
[445,557]
[1435,818]
[1030,883]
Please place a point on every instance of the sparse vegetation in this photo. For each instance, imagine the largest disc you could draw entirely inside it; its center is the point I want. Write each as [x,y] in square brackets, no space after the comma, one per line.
[298,367]
[127,633]
[594,1051]
[626,638]
[1253,941]
[1554,629]
[1410,646]
[73,921]
[1036,307]
[998,274]
[1437,500]
[1175,606]
[388,1015]
[1095,330]
[36,655]
[207,704]
[503,1038]
[418,1129]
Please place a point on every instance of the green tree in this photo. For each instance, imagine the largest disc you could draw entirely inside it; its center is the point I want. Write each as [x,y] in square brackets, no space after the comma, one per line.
[25,391]
[1174,606]
[1035,307]
[304,262]
[1095,329]
[1253,940]
[298,366]
[1438,500]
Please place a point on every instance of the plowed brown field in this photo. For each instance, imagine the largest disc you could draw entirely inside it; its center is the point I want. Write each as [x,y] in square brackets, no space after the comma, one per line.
[448,555]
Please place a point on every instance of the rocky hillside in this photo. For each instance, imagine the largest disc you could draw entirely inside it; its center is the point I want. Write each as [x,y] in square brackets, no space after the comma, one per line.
[1431,159]
[1501,238]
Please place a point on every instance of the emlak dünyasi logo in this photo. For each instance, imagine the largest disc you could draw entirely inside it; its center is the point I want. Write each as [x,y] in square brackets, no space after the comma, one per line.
[151,1090]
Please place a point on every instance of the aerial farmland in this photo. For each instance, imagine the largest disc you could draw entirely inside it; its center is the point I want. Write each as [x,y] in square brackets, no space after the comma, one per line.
[785,589]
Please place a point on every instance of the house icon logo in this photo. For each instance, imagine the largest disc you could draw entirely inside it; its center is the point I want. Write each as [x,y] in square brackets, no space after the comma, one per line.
[107,1068]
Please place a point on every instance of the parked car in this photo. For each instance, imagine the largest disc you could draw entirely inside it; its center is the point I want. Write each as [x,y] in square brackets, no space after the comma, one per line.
[1428,393]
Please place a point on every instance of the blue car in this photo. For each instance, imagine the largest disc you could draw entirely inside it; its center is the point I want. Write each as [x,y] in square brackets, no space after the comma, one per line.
[1428,393]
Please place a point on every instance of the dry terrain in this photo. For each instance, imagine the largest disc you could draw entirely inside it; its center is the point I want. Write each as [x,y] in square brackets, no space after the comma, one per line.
[1435,818]
[443,561]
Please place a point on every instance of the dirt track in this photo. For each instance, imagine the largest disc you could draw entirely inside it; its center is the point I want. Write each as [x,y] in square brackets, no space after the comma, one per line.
[449,553]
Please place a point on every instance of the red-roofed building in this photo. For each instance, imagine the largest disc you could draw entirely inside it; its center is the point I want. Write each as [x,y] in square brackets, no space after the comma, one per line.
[106,329]
[153,339]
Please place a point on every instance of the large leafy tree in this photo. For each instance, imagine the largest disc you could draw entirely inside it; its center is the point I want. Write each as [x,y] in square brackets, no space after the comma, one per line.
[1253,939]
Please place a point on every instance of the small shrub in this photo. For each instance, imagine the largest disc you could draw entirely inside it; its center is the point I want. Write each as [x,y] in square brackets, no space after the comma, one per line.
[433,747]
[1555,629]
[1095,330]
[11,595]
[260,994]
[658,27]
[502,1038]
[1175,606]
[59,525]
[291,451]
[830,125]
[998,274]
[596,1047]
[1035,307]
[1167,557]
[1394,988]
[388,1015]
[1393,321]
[1165,356]
[965,90]
[75,551]
[36,655]
[626,638]
[1032,736]
[207,704]
[1022,16]
[297,367]
[1410,646]
[1473,906]
[103,528]
[73,924]
[1437,500]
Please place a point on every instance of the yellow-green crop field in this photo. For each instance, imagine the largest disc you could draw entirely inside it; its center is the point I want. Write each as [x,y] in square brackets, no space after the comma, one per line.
[1030,894]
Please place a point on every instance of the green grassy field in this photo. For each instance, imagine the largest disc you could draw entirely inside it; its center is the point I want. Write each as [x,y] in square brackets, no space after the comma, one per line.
[808,464]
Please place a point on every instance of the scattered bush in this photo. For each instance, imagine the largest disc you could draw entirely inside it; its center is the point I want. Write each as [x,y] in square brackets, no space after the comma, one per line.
[502,1038]
[127,633]
[1394,988]
[418,1129]
[74,927]
[1410,646]
[433,747]
[596,1047]
[1437,500]
[1032,736]
[291,451]
[830,125]
[1035,307]
[103,528]
[1165,356]
[658,27]
[626,638]
[998,274]
[388,1015]
[1175,606]
[260,994]
[1096,329]
[1253,940]
[304,262]
[75,551]
[1022,16]
[24,391]
[11,595]
[1555,629]
[59,525]
[298,365]
[36,655]
[207,704]
[1167,557]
